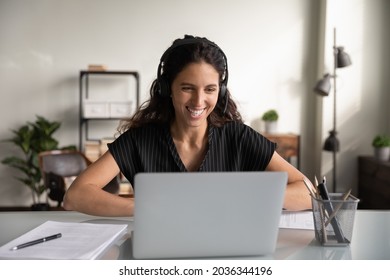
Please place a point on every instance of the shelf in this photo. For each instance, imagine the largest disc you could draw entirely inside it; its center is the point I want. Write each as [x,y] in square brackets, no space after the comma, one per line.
[91,109]
[101,119]
[84,72]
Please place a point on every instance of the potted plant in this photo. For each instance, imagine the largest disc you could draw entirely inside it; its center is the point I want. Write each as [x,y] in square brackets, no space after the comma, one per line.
[270,118]
[381,144]
[33,138]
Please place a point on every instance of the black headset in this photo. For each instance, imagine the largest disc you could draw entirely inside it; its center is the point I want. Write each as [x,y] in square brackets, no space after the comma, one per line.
[163,86]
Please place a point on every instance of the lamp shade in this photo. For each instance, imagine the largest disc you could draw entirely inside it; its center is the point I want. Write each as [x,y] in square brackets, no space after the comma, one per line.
[343,58]
[332,144]
[323,86]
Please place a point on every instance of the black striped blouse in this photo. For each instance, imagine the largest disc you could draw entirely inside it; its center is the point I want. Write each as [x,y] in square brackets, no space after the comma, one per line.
[232,147]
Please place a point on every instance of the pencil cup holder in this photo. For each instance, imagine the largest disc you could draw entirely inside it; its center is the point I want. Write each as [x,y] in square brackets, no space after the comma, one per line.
[334,219]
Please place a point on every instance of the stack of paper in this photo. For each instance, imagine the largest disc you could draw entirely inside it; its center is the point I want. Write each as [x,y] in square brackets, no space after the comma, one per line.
[77,241]
[297,220]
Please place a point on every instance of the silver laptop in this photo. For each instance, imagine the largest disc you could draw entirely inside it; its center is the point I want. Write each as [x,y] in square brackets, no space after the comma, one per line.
[195,215]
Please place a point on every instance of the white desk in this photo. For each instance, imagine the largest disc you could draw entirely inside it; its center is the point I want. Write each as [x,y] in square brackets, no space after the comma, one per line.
[371,236]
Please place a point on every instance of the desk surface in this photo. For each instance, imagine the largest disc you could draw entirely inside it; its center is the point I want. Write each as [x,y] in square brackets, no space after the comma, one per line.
[371,235]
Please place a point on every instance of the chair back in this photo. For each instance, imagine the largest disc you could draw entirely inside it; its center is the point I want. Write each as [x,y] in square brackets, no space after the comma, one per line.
[64,163]
[57,165]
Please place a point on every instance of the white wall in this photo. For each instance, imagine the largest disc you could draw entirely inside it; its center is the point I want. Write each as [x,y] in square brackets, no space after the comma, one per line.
[272,49]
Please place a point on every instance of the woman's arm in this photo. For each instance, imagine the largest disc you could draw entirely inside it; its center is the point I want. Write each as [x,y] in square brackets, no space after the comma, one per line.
[86,194]
[297,195]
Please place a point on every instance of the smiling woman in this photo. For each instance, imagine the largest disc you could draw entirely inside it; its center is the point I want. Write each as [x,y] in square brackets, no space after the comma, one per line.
[190,123]
[194,95]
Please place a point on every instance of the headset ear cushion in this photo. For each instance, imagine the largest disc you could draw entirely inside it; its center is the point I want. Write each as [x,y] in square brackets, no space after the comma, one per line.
[222,90]
[163,87]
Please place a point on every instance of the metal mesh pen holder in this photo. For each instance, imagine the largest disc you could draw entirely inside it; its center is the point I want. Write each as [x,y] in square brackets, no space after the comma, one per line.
[334,219]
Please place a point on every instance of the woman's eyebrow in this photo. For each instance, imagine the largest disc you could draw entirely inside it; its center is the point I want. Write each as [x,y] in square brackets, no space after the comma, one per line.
[190,84]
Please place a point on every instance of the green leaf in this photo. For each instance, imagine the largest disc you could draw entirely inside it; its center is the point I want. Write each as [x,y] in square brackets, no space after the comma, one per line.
[270,115]
[32,138]
[381,140]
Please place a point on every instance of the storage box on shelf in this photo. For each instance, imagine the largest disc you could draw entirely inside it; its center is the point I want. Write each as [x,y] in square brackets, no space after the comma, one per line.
[111,109]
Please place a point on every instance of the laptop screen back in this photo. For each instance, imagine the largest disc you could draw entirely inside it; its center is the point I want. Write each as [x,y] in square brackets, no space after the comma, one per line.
[190,215]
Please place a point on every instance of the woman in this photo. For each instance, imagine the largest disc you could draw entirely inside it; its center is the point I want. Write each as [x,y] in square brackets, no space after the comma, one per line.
[190,124]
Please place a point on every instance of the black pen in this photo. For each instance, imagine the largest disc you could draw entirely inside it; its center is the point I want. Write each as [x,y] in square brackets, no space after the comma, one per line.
[40,240]
[323,190]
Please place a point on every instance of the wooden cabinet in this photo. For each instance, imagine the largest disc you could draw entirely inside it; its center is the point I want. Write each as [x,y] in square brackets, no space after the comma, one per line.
[374,183]
[287,145]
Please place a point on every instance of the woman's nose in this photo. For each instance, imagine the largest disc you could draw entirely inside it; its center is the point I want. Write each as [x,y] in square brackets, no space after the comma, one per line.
[198,97]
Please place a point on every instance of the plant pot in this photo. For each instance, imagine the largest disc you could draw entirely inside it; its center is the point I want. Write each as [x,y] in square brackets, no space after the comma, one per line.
[40,207]
[382,154]
[271,126]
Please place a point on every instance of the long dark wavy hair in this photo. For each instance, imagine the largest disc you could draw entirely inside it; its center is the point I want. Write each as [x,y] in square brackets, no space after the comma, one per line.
[159,108]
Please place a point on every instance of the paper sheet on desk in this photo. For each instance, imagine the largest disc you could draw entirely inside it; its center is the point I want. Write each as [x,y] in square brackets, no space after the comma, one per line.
[78,241]
[297,220]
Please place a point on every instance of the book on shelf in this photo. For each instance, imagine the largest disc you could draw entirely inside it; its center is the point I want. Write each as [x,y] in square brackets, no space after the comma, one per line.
[95,149]
[97,67]
[92,150]
[103,144]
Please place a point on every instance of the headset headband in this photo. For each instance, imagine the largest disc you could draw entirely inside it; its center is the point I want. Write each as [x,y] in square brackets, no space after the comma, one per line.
[189,40]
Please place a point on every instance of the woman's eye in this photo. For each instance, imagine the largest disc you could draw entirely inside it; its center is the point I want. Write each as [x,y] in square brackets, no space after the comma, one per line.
[211,90]
[187,89]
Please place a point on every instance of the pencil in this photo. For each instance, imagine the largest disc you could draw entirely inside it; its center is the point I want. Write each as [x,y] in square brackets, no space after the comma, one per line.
[310,189]
[334,213]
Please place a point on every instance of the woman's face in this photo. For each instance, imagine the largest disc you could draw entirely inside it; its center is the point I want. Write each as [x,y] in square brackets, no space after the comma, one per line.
[195,94]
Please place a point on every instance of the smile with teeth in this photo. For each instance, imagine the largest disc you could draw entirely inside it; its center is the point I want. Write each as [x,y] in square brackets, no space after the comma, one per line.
[195,113]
